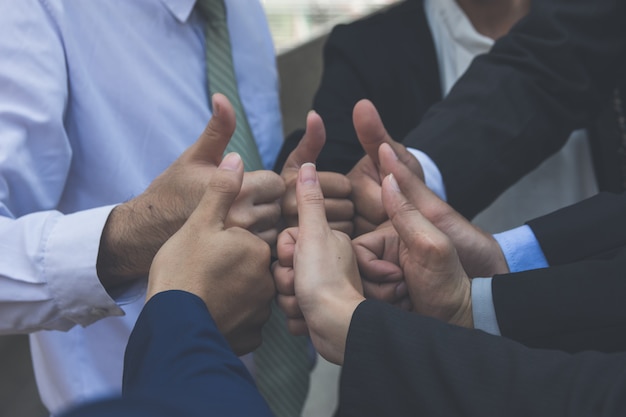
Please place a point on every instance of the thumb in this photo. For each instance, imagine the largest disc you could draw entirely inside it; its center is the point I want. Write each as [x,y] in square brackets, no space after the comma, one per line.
[311,144]
[223,189]
[412,227]
[311,210]
[369,128]
[212,142]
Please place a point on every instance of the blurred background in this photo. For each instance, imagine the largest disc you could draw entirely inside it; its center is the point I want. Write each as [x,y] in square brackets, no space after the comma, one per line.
[299,28]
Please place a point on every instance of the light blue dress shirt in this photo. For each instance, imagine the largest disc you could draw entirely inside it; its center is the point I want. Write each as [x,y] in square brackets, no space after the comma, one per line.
[98,98]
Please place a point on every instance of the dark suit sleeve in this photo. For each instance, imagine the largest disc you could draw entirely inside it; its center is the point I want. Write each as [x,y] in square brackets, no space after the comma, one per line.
[177,355]
[177,363]
[590,228]
[571,307]
[401,364]
[518,104]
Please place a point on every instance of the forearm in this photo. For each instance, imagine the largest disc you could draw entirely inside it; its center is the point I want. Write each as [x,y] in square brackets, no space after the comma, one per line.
[132,235]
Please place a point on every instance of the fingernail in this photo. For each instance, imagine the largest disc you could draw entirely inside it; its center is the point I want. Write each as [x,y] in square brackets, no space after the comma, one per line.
[216,107]
[308,174]
[231,162]
[393,183]
[311,112]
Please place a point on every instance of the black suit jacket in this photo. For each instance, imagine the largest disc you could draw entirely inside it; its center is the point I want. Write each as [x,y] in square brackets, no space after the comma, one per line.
[496,126]
[178,364]
[554,72]
[401,364]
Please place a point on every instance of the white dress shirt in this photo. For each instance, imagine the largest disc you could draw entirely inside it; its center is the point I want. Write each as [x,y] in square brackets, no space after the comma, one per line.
[98,98]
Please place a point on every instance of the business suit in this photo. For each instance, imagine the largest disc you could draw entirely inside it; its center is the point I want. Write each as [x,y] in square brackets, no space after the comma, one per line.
[401,364]
[178,364]
[389,58]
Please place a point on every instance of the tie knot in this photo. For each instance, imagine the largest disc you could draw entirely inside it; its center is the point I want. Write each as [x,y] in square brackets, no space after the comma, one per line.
[213,10]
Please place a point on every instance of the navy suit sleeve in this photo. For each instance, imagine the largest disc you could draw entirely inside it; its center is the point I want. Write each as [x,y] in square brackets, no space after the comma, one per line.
[177,363]
[402,364]
[518,104]
[177,354]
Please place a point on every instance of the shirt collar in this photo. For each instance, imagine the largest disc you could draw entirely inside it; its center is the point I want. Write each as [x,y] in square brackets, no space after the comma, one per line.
[181,9]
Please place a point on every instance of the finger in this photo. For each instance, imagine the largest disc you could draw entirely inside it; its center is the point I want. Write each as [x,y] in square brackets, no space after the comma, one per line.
[224,186]
[369,128]
[212,142]
[286,245]
[338,209]
[310,145]
[256,219]
[311,209]
[413,228]
[284,279]
[334,185]
[413,187]
[346,227]
[377,270]
[262,186]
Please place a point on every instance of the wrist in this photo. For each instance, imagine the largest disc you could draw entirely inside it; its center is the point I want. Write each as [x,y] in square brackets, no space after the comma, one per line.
[128,243]
[464,315]
[328,326]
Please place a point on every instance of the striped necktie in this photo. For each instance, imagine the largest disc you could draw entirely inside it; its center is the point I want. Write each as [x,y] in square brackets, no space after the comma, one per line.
[222,79]
[282,363]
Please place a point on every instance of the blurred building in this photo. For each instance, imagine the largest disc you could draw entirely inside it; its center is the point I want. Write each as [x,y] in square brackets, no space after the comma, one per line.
[294,22]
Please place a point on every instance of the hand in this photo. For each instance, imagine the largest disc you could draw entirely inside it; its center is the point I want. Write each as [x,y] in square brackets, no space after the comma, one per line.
[336,187]
[377,255]
[480,254]
[365,176]
[136,229]
[317,265]
[227,267]
[437,284]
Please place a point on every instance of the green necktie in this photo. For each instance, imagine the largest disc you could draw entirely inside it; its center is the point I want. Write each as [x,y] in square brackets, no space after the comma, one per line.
[282,362]
[222,79]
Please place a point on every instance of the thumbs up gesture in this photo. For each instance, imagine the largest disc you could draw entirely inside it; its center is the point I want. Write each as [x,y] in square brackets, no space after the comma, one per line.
[366,176]
[316,273]
[227,267]
[136,229]
[335,187]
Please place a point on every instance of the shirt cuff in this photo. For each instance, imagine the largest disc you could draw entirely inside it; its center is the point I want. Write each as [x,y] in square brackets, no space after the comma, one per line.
[483,310]
[70,254]
[432,176]
[521,249]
